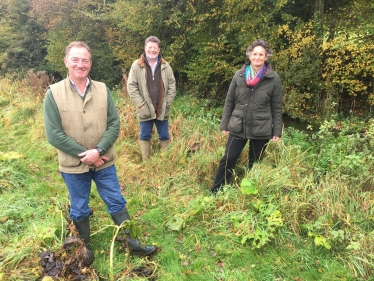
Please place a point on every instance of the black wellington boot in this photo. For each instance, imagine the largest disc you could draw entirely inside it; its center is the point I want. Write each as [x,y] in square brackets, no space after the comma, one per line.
[215,190]
[133,244]
[83,227]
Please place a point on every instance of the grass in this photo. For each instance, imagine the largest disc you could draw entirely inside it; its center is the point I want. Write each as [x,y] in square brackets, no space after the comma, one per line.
[310,202]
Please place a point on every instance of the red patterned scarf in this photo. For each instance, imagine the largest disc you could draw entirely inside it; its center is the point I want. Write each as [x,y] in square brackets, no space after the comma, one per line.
[251,77]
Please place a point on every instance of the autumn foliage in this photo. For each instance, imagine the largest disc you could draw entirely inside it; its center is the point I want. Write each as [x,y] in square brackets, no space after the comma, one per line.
[322,51]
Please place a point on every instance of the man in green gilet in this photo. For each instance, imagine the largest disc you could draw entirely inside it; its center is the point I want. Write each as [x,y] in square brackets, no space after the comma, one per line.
[82,122]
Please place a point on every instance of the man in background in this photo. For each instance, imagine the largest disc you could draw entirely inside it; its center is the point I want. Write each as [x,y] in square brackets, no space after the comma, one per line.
[151,86]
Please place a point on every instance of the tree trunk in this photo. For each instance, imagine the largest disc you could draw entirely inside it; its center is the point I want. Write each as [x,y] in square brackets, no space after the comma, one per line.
[319,11]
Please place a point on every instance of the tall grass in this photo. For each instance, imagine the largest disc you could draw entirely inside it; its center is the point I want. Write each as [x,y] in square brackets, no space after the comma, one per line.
[308,214]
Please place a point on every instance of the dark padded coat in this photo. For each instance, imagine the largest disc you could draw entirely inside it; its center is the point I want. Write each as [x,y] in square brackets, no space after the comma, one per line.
[254,112]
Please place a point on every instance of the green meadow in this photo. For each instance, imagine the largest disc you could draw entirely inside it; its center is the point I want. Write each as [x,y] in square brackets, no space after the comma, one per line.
[306,212]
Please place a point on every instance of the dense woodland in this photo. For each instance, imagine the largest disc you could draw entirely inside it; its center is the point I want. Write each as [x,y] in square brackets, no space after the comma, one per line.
[322,49]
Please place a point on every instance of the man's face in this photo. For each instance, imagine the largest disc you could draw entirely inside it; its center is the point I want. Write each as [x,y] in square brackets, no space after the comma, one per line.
[152,50]
[78,63]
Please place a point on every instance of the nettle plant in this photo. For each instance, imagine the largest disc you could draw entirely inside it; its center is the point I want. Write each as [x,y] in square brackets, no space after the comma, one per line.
[331,236]
[201,204]
[347,152]
[259,223]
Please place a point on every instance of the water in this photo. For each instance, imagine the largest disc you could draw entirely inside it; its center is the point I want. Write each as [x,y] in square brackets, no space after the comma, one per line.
[299,125]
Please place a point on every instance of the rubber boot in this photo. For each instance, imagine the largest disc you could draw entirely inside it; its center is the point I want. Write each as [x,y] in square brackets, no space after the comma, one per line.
[83,227]
[133,244]
[164,144]
[145,149]
[215,190]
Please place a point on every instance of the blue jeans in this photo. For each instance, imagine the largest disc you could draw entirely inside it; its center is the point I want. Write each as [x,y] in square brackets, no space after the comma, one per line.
[162,129]
[79,186]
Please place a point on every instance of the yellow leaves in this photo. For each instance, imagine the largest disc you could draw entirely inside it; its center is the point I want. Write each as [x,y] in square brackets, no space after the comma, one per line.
[281,3]
[283,29]
[347,64]
[11,155]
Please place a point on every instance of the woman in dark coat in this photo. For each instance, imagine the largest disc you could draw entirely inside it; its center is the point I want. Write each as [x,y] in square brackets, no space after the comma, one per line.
[252,111]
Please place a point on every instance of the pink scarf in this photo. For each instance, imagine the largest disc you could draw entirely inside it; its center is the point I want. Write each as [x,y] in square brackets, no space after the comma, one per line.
[251,77]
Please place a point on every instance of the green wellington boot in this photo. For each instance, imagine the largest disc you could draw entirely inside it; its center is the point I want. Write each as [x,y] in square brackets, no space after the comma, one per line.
[145,149]
[164,144]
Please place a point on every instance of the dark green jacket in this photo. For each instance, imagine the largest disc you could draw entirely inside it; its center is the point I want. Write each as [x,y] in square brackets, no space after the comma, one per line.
[254,112]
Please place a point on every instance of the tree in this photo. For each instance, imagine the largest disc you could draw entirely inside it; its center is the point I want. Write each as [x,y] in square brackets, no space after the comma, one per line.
[328,69]
[22,40]
[322,50]
[87,23]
